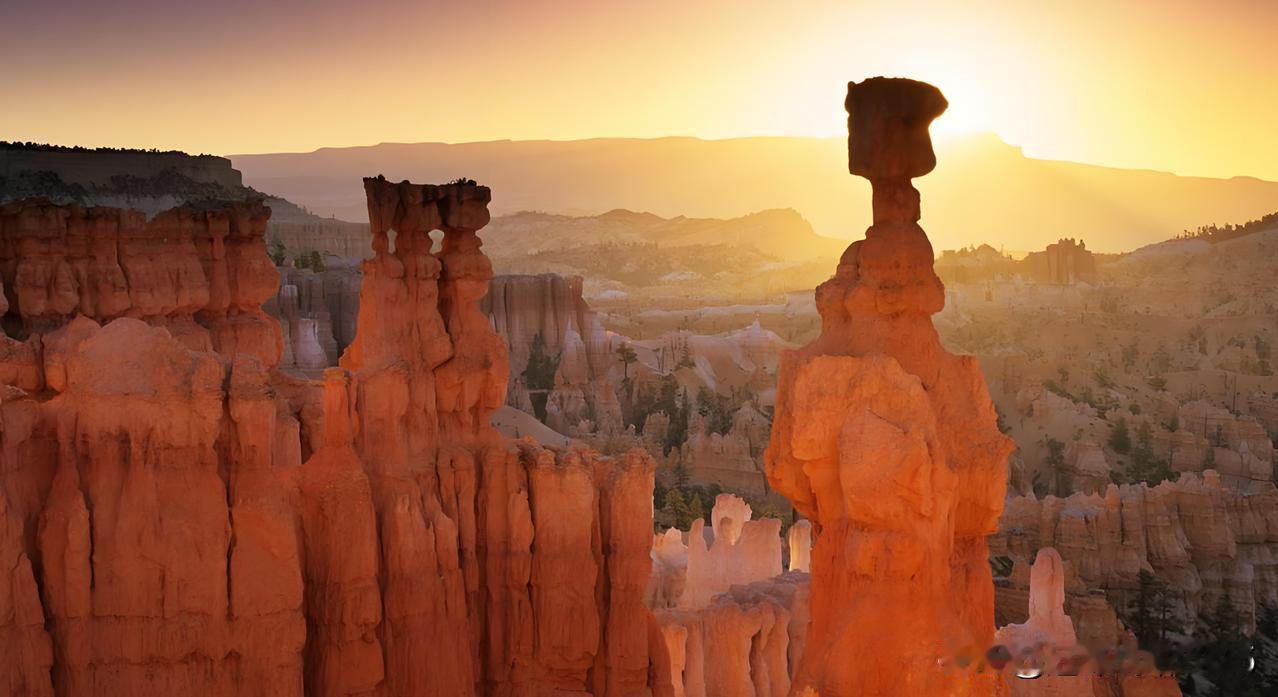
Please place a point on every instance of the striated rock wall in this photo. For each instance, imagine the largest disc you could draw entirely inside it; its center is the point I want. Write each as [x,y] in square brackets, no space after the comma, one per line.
[736,551]
[1085,469]
[1239,448]
[888,443]
[317,313]
[726,620]
[522,307]
[580,395]
[1063,262]
[549,308]
[1046,650]
[745,642]
[729,459]
[303,234]
[1202,538]
[179,518]
[199,270]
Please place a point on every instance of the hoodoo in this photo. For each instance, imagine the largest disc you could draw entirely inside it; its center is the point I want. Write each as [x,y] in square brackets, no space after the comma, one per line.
[179,517]
[889,444]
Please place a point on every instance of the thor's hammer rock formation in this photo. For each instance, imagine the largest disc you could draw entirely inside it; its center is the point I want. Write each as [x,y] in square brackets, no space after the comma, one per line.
[889,444]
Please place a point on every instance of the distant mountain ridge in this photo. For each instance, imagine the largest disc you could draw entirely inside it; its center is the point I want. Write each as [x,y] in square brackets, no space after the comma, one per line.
[983,190]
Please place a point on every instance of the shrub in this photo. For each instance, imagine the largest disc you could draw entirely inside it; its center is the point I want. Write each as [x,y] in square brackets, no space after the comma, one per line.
[275,250]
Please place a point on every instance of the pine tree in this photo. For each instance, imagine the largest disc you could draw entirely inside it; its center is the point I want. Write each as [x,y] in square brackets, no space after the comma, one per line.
[1130,354]
[1218,437]
[685,358]
[677,434]
[716,410]
[696,509]
[275,250]
[681,476]
[1150,614]
[539,375]
[1119,439]
[1145,466]
[626,354]
[1222,654]
[676,509]
[1138,617]
[1055,454]
[1264,648]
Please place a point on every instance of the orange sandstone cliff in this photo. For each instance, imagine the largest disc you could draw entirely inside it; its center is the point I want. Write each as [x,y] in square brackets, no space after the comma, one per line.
[179,517]
[889,444]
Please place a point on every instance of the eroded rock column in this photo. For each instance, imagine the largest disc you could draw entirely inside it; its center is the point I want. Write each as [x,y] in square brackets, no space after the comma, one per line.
[179,518]
[888,443]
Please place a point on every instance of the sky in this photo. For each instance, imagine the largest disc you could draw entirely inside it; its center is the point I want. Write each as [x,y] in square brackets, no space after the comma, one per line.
[1186,86]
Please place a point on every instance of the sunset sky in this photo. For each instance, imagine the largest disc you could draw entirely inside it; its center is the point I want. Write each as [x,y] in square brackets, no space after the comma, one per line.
[1186,86]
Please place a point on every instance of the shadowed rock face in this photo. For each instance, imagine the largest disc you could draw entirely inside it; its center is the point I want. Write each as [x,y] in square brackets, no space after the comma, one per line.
[888,443]
[198,270]
[888,141]
[317,313]
[179,518]
[888,120]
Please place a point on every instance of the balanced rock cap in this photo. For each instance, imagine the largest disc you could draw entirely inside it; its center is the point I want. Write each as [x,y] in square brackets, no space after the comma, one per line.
[888,118]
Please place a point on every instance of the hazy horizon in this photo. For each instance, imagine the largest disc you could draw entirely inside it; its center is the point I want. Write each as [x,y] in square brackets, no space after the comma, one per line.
[1176,86]
[940,140]
[982,191]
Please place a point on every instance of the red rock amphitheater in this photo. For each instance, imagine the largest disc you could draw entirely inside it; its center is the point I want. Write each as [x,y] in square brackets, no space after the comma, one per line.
[179,516]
